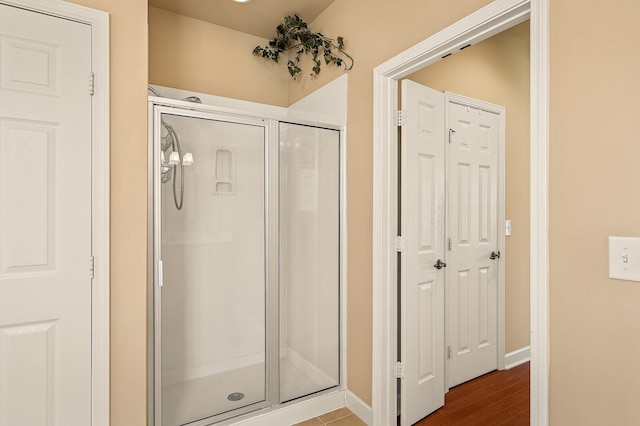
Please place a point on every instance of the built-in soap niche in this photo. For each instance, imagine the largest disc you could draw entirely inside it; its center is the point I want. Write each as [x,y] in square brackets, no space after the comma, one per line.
[224,170]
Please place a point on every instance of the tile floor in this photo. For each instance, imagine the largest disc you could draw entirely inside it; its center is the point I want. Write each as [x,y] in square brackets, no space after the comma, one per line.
[341,417]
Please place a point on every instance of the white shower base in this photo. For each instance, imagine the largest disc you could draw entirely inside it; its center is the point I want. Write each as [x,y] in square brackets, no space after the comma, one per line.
[299,377]
[203,397]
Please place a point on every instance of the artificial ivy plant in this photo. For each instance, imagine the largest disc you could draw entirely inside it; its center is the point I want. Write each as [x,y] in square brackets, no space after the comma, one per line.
[293,34]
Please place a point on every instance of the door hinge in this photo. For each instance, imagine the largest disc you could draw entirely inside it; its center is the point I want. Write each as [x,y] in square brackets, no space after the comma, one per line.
[91,267]
[451,133]
[160,274]
[399,117]
[399,370]
[448,352]
[399,244]
[92,83]
[449,244]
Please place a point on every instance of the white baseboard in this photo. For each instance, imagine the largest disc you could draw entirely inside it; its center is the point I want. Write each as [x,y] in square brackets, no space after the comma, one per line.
[296,412]
[359,407]
[515,358]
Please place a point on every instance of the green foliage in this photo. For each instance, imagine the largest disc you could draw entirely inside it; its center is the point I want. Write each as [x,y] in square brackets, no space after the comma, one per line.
[293,34]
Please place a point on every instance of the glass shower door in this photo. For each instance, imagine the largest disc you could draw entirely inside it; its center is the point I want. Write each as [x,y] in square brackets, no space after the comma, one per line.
[213,299]
[309,260]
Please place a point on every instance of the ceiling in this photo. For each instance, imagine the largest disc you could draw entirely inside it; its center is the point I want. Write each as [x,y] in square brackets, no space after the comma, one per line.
[258,17]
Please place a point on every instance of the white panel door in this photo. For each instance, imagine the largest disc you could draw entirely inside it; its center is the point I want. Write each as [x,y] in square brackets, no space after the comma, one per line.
[45,220]
[472,274]
[422,227]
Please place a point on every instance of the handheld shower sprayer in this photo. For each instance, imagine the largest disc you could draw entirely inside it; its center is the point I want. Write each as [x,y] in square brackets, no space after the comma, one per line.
[177,161]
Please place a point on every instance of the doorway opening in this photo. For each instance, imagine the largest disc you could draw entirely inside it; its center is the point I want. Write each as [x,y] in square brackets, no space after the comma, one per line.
[490,20]
[481,256]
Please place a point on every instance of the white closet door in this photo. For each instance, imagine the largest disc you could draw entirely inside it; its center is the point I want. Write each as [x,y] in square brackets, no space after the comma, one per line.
[45,220]
[472,275]
[422,227]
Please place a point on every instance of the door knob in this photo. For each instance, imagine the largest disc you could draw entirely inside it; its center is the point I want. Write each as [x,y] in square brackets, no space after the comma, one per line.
[494,255]
[440,264]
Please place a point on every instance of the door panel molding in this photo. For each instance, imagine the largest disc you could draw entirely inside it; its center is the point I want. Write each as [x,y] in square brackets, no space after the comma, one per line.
[487,237]
[100,217]
[487,21]
[422,319]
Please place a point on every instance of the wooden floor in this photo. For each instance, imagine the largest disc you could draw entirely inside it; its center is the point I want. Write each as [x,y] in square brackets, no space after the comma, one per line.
[497,398]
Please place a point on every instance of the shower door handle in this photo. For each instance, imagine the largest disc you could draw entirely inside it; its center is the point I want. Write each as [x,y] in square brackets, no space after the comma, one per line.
[160,274]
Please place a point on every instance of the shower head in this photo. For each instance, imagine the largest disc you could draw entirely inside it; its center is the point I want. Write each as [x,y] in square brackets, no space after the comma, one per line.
[155,92]
[194,99]
[167,139]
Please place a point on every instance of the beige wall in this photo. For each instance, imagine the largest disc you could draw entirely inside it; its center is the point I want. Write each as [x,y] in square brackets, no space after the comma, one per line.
[595,376]
[194,55]
[594,176]
[128,74]
[497,70]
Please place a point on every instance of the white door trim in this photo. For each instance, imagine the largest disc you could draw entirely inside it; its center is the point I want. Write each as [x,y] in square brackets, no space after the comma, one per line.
[491,19]
[99,22]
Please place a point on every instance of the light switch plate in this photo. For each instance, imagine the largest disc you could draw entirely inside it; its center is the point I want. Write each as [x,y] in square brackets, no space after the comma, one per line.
[624,258]
[507,228]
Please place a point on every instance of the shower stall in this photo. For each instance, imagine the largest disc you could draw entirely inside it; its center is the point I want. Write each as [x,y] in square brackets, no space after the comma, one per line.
[245,262]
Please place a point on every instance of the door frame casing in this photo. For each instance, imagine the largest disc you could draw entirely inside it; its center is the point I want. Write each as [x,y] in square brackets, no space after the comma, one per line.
[100,214]
[487,21]
[499,110]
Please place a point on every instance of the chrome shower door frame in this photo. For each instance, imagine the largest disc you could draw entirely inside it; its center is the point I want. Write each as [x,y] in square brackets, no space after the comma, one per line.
[179,108]
[158,106]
